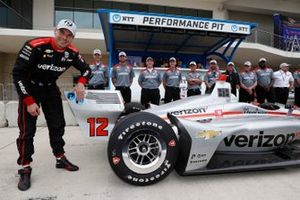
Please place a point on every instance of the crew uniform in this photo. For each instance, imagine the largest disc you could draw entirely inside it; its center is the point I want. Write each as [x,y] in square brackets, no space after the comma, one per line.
[172,80]
[248,79]
[297,87]
[282,82]
[194,89]
[211,77]
[39,64]
[264,80]
[99,77]
[123,74]
[150,81]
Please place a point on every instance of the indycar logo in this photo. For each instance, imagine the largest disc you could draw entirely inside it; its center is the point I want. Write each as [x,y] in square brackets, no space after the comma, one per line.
[208,134]
[259,140]
[189,111]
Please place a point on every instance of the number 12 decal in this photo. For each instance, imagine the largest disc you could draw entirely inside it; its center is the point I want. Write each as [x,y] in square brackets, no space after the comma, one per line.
[97,126]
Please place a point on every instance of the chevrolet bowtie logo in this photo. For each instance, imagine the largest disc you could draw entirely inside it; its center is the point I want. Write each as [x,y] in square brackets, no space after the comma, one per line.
[208,134]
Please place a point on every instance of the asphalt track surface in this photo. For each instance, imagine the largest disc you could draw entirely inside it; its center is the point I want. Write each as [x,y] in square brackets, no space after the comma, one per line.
[96,180]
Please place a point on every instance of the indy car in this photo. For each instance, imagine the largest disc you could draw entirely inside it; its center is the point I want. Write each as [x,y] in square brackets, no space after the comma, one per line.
[204,134]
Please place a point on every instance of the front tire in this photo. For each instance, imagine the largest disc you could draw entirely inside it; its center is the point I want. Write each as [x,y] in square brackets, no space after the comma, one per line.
[142,149]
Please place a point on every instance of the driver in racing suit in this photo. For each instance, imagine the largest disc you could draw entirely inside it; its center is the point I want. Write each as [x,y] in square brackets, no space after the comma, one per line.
[38,65]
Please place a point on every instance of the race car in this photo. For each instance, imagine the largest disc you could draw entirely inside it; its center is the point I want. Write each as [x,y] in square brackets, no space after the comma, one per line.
[203,134]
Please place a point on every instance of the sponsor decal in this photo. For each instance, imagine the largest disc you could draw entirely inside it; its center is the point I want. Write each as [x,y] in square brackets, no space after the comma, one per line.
[80,58]
[260,140]
[51,68]
[246,162]
[116,17]
[249,110]
[166,167]
[47,56]
[22,87]
[172,143]
[180,23]
[138,124]
[67,54]
[116,160]
[219,113]
[85,73]
[189,111]
[48,51]
[24,57]
[28,47]
[198,158]
[208,134]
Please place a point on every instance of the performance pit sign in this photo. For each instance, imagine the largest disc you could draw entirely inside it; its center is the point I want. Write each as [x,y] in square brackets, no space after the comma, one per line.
[180,23]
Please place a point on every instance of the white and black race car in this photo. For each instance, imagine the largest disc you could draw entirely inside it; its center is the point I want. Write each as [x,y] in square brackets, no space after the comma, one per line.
[197,135]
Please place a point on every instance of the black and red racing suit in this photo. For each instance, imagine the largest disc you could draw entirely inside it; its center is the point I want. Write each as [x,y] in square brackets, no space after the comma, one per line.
[39,64]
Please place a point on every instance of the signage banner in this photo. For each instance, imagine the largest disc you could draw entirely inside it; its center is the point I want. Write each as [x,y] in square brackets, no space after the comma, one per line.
[288,30]
[180,23]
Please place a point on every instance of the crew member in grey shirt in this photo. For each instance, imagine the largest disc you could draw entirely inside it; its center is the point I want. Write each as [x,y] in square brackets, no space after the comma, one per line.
[211,76]
[264,90]
[99,78]
[248,82]
[122,77]
[171,81]
[194,80]
[150,80]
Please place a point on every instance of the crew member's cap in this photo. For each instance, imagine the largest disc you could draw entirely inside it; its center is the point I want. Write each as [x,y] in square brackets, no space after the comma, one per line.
[213,62]
[122,53]
[67,24]
[262,60]
[149,58]
[247,63]
[283,65]
[230,64]
[192,63]
[172,59]
[97,51]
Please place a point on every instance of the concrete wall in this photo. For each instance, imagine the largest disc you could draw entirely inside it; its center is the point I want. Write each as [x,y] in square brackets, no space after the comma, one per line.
[264,21]
[43,14]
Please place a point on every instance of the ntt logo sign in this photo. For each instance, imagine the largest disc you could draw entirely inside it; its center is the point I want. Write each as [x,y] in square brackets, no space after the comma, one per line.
[234,28]
[116,17]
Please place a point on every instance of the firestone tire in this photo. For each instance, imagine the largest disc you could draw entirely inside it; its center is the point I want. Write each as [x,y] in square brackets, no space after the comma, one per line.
[142,149]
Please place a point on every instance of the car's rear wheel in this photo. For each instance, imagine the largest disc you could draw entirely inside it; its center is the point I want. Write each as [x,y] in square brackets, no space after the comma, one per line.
[142,149]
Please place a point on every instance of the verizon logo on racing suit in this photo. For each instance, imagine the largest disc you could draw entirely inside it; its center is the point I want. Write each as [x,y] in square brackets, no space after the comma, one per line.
[51,67]
[260,140]
[22,87]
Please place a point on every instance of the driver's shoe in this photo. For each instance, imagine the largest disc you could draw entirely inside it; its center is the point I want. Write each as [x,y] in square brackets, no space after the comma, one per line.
[24,182]
[63,163]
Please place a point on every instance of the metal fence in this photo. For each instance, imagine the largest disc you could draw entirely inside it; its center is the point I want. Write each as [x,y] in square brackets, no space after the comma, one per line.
[273,40]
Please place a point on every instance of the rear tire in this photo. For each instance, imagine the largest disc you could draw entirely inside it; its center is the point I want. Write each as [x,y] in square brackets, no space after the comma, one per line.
[142,149]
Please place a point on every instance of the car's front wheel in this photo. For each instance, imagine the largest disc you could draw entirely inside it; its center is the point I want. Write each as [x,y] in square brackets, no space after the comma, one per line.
[142,149]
